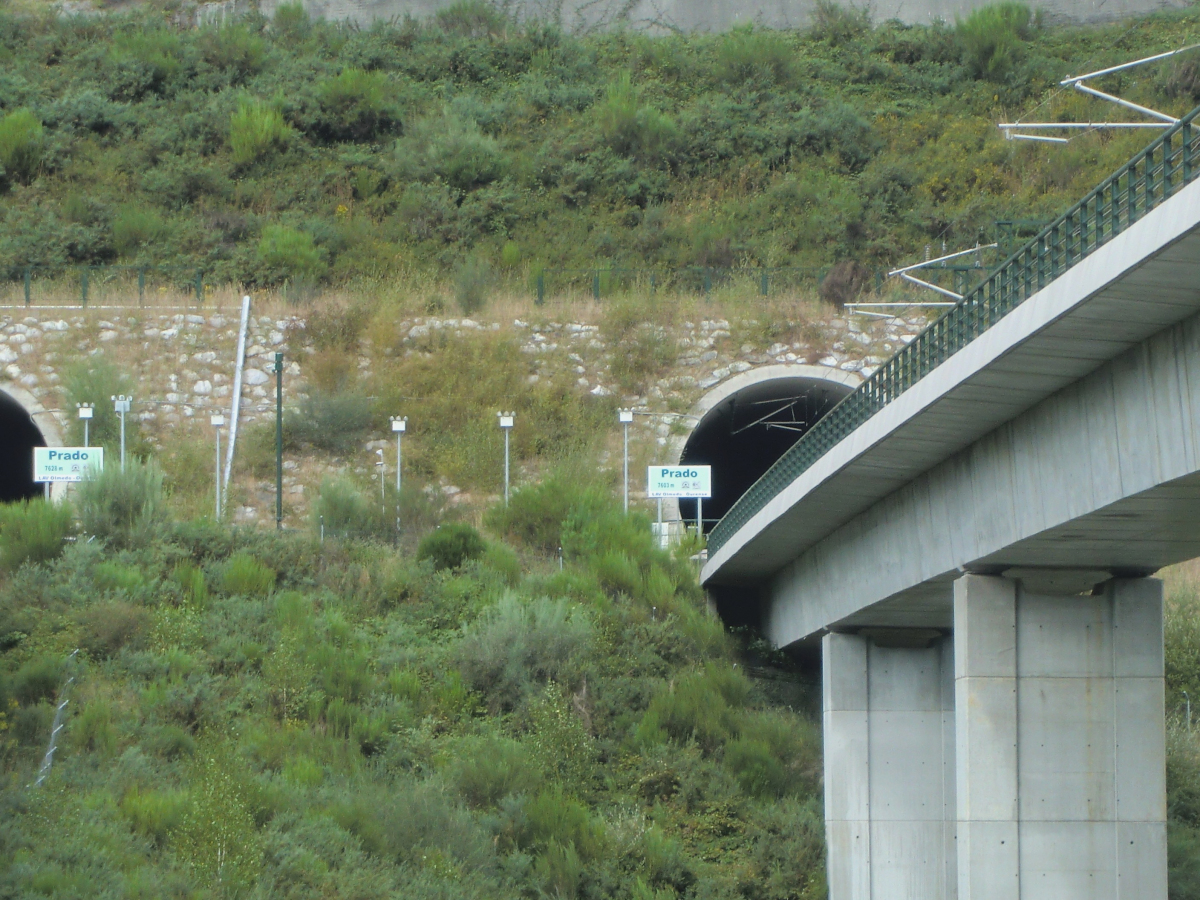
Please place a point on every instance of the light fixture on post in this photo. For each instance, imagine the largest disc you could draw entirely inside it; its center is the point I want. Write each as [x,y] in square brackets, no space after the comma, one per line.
[121,405]
[86,411]
[625,416]
[399,426]
[506,420]
[218,422]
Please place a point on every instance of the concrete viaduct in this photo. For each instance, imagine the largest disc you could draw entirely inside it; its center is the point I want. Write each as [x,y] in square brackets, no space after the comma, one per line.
[970,536]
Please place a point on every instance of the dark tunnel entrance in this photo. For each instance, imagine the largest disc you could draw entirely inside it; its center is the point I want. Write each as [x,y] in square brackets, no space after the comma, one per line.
[18,436]
[741,437]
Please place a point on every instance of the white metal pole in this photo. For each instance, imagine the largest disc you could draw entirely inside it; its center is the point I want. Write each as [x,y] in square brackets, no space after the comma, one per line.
[506,467]
[661,540]
[122,440]
[217,474]
[85,433]
[699,517]
[625,416]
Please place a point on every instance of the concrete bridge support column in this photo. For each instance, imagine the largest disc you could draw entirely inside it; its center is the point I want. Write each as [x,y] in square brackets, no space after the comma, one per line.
[1061,786]
[889,765]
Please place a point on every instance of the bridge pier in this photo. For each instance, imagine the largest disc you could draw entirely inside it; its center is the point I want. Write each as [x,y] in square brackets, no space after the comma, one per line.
[1021,759]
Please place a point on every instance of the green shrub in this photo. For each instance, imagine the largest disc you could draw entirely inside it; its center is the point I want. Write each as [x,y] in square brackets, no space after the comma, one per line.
[38,679]
[125,508]
[114,577]
[135,227]
[472,281]
[993,38]
[287,254]
[631,127]
[748,53]
[256,129]
[337,326]
[234,49]
[245,576]
[472,19]
[452,149]
[335,422]
[839,24]
[450,546]
[154,814]
[355,106]
[33,531]
[152,54]
[536,512]
[21,144]
[758,771]
[344,511]
[702,706]
[515,646]
[554,818]
[105,628]
[487,769]
[192,586]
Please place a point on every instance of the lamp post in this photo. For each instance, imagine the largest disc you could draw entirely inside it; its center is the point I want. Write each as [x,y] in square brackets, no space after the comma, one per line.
[218,421]
[506,423]
[399,426]
[86,411]
[382,482]
[121,405]
[625,416]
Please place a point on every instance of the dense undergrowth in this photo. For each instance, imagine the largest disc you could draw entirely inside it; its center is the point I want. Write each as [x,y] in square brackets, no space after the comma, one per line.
[290,150]
[260,714]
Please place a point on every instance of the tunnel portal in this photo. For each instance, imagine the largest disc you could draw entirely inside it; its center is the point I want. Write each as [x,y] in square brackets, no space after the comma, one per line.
[744,434]
[741,436]
[18,436]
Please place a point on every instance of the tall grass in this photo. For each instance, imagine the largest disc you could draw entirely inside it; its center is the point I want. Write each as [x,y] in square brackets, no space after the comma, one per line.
[33,531]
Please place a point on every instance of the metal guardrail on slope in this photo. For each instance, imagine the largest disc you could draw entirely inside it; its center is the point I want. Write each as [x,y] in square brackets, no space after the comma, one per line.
[1145,182]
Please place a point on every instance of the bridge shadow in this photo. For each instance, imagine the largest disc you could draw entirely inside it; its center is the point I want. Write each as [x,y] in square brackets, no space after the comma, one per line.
[18,436]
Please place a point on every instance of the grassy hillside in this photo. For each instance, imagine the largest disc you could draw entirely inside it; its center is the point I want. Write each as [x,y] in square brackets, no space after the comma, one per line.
[470,146]
[262,715]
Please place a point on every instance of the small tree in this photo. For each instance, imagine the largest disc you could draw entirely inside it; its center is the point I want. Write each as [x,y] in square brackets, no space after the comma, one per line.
[21,144]
[126,508]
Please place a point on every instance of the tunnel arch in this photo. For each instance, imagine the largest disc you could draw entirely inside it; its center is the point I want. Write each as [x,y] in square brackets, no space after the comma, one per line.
[741,428]
[24,424]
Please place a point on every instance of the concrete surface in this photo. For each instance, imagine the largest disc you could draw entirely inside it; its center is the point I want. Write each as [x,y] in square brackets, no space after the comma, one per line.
[669,16]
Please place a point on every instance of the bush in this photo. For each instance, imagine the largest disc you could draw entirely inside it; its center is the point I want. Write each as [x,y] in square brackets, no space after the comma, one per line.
[747,53]
[838,24]
[472,19]
[486,770]
[245,576]
[355,106]
[106,628]
[992,38]
[452,149]
[32,531]
[344,511]
[234,49]
[703,706]
[535,514]
[335,422]
[256,129]
[126,508]
[135,228]
[21,144]
[450,546]
[631,127]
[472,281]
[287,254]
[516,646]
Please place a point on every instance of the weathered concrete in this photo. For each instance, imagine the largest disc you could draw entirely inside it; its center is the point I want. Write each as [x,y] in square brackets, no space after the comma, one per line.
[669,16]
[1021,759]
[889,766]
[1060,742]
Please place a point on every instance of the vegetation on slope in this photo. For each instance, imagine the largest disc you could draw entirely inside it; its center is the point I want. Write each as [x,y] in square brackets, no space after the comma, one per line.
[265,151]
[260,714]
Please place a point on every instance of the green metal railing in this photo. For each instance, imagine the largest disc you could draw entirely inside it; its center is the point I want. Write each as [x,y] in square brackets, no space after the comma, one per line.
[1142,184]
